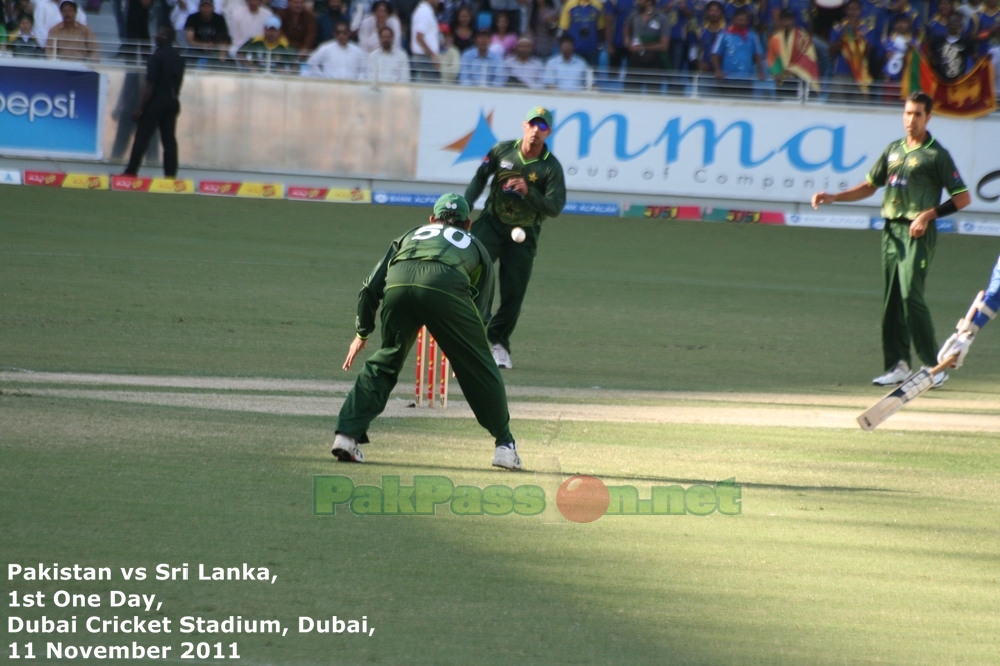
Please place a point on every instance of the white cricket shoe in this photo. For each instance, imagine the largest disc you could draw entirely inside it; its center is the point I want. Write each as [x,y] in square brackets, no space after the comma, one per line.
[502,357]
[346,449]
[897,375]
[506,456]
[939,379]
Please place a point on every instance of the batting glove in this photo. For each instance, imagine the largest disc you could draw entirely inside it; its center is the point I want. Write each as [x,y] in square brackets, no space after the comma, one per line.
[958,346]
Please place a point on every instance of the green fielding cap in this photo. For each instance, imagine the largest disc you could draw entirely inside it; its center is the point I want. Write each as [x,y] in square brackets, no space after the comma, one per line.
[540,112]
[451,207]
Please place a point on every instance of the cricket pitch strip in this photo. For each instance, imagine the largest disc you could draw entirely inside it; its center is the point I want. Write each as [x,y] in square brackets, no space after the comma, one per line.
[937,412]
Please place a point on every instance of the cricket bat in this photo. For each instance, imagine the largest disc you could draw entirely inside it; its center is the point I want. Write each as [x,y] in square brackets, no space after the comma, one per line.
[913,387]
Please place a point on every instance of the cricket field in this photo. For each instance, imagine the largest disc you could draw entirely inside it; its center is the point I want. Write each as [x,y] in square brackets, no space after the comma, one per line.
[169,383]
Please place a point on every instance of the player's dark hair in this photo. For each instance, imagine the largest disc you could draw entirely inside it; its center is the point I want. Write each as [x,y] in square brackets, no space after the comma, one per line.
[452,219]
[717,3]
[921,98]
[853,2]
[742,10]
[167,31]
[375,5]
[567,38]
[27,17]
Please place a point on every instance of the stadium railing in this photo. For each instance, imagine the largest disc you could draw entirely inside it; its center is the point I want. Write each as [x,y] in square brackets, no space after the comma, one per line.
[132,55]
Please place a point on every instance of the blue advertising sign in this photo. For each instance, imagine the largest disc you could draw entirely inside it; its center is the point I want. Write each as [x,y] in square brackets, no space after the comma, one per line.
[51,110]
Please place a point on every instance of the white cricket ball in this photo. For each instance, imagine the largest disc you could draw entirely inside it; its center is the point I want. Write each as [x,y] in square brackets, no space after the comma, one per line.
[517,233]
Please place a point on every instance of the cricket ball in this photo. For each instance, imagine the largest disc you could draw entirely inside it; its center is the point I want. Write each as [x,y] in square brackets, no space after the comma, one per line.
[583,499]
[517,233]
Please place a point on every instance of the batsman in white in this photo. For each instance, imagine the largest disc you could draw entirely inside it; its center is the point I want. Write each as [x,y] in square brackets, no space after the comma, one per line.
[960,341]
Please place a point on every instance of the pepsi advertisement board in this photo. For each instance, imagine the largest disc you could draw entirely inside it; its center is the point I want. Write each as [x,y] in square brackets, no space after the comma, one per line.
[51,110]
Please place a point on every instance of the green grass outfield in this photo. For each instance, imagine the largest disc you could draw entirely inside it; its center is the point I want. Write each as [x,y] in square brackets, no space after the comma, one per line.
[851,548]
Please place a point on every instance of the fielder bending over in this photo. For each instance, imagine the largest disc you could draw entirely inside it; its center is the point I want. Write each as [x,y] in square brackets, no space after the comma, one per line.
[440,277]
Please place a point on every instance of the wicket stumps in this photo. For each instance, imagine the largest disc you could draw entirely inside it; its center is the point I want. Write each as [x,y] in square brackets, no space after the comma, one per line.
[433,371]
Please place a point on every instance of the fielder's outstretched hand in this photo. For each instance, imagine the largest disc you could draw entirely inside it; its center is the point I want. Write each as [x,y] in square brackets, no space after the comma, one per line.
[356,346]
[958,346]
[822,198]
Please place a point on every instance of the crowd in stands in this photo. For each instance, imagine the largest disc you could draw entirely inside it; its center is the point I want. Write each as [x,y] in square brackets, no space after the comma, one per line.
[555,44]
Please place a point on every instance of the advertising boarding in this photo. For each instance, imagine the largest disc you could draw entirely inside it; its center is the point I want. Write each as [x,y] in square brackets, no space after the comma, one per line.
[50,110]
[681,147]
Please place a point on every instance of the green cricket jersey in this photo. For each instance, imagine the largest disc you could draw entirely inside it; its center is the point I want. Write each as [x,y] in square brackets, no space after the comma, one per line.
[436,256]
[914,177]
[282,55]
[546,185]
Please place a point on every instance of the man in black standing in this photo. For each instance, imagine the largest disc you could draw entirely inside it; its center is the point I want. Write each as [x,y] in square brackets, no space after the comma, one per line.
[159,105]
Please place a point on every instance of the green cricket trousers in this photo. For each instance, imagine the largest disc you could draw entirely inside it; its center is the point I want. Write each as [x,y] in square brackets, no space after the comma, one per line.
[905,315]
[516,262]
[455,324]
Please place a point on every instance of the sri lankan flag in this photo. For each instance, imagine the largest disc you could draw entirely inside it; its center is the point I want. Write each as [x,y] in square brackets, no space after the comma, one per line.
[970,96]
[793,53]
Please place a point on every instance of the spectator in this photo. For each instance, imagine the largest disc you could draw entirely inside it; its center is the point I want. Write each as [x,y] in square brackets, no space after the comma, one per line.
[802,12]
[404,10]
[3,36]
[937,26]
[791,55]
[247,21]
[270,51]
[737,54]
[207,33]
[715,23]
[894,49]
[449,9]
[180,11]
[988,31]
[503,41]
[952,55]
[462,31]
[370,32]
[567,71]
[298,25]
[10,14]
[339,59]
[47,14]
[24,45]
[647,36]
[677,13]
[481,65]
[756,11]
[359,11]
[583,20]
[135,45]
[328,20]
[425,42]
[451,58]
[898,9]
[543,27]
[70,40]
[388,62]
[616,15]
[523,70]
[511,9]
[852,46]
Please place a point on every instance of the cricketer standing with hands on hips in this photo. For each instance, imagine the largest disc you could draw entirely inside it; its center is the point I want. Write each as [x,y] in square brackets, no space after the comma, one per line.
[440,277]
[913,171]
[528,187]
